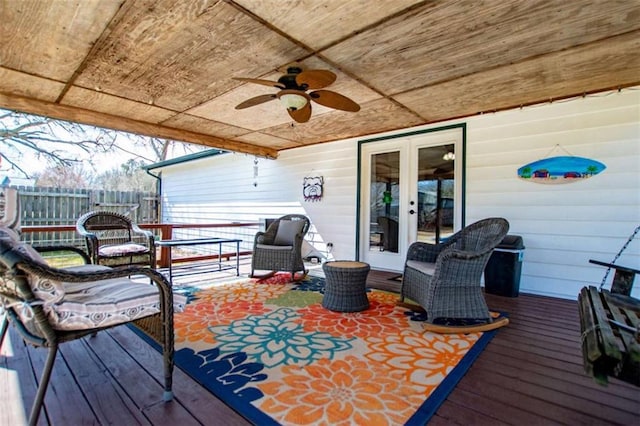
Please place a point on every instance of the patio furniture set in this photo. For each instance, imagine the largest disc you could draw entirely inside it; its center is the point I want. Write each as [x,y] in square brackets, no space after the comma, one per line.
[50,306]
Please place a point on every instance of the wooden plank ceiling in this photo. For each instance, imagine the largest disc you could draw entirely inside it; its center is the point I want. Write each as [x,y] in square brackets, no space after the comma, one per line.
[164,68]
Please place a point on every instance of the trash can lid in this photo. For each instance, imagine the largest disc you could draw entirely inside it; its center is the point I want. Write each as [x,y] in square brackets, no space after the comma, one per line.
[511,242]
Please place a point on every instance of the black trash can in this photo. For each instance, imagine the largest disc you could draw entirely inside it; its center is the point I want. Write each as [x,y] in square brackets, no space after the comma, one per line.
[502,274]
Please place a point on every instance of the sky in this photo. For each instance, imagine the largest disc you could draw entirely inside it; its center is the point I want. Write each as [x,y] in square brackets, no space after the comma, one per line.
[99,162]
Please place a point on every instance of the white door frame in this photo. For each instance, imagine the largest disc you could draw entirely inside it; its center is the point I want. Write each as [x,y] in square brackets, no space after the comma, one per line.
[407,145]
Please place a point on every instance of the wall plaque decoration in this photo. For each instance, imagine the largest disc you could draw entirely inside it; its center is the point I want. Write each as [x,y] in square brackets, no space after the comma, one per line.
[564,169]
[312,188]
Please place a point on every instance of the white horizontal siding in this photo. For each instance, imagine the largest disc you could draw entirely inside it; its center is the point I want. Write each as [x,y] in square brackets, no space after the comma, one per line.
[221,189]
[563,226]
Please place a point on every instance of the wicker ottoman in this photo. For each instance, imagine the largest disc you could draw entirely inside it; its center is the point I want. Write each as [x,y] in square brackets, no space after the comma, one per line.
[345,286]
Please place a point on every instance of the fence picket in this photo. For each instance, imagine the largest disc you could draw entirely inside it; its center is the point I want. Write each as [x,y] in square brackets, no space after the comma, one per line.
[61,206]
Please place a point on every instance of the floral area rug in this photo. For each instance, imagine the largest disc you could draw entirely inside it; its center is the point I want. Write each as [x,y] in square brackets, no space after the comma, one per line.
[271,351]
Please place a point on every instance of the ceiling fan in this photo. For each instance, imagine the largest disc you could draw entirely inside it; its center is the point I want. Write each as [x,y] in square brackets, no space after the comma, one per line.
[293,94]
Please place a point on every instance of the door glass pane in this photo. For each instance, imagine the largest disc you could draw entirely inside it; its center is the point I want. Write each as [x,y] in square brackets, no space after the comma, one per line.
[385,194]
[436,191]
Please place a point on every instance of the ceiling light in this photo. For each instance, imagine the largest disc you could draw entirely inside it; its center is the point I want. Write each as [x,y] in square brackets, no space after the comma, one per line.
[293,100]
[449,156]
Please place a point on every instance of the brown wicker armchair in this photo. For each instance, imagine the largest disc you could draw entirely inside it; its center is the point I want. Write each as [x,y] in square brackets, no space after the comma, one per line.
[444,279]
[279,248]
[114,240]
[49,306]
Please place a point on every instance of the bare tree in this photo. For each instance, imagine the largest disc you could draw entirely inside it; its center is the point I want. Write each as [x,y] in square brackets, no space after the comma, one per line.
[62,143]
[59,176]
[128,177]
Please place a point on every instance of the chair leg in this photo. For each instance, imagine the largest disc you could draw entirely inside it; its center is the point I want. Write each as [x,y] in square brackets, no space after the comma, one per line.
[263,276]
[293,275]
[42,387]
[168,350]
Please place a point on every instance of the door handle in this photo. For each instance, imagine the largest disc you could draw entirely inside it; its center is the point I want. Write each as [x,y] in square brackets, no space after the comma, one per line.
[412,211]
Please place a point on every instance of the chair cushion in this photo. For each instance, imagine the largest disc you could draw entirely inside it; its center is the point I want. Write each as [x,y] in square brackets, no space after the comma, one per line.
[53,291]
[424,267]
[287,231]
[50,291]
[122,249]
[106,302]
[270,247]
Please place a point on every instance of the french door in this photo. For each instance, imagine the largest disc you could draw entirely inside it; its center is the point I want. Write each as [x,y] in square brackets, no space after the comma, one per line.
[410,190]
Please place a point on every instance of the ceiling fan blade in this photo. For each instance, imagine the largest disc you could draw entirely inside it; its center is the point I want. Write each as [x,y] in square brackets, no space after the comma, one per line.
[256,101]
[315,79]
[334,100]
[260,81]
[301,115]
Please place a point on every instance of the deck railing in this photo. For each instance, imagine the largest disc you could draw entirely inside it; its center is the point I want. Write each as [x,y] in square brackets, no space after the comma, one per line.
[66,234]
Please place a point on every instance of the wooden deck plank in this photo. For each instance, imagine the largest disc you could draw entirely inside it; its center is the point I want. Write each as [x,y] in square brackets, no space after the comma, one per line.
[463,414]
[17,382]
[199,401]
[139,382]
[525,399]
[108,400]
[576,378]
[557,383]
[65,403]
[530,373]
[485,405]
[577,408]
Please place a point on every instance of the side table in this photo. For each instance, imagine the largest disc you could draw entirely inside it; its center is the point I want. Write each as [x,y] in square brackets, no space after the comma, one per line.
[345,286]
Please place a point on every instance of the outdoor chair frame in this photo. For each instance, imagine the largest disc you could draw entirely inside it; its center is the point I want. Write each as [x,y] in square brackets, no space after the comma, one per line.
[271,257]
[113,239]
[28,313]
[445,278]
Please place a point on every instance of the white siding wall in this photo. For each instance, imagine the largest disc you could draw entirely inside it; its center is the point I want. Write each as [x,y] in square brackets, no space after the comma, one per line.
[563,226]
[220,189]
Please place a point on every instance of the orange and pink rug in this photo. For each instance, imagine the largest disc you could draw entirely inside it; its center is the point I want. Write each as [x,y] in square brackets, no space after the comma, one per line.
[271,351]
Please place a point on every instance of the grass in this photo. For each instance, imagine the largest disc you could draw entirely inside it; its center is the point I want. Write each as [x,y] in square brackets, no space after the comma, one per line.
[62,259]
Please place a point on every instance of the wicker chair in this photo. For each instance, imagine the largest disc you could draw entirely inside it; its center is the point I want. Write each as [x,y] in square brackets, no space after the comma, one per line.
[444,279]
[279,248]
[114,240]
[49,306]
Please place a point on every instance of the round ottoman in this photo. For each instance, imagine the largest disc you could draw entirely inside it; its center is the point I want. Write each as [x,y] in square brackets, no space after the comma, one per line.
[345,286]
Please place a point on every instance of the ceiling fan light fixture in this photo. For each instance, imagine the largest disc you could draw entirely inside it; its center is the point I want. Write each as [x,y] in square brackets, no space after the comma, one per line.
[293,100]
[449,156]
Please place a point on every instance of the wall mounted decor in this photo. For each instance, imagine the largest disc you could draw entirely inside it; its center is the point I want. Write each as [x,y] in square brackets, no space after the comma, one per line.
[255,172]
[312,188]
[564,169]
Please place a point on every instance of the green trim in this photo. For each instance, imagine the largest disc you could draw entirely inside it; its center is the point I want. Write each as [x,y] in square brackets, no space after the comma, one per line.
[462,126]
[416,132]
[357,257]
[185,159]
[464,176]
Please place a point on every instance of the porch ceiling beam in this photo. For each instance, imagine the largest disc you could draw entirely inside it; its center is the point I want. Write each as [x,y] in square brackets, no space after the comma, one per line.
[79,115]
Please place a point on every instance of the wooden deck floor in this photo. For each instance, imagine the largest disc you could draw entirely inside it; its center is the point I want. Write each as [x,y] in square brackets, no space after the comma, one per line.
[531,373]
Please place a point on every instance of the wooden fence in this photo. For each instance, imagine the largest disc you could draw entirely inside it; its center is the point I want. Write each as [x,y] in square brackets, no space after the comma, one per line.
[62,206]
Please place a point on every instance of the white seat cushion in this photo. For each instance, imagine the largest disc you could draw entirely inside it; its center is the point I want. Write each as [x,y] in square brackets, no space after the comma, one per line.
[424,267]
[106,302]
[270,247]
[122,249]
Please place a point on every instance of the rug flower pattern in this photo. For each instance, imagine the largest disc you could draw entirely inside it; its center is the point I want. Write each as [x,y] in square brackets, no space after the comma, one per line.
[269,347]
